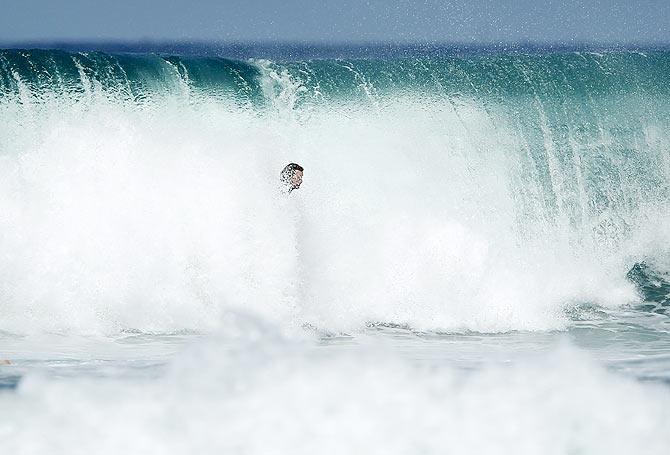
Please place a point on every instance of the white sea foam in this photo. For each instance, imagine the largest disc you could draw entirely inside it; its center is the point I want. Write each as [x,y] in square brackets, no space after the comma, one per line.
[254,391]
[159,216]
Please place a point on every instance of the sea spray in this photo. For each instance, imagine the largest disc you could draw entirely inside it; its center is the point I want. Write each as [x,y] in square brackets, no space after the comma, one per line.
[483,193]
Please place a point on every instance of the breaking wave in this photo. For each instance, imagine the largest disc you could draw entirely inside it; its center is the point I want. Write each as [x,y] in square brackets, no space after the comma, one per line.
[485,193]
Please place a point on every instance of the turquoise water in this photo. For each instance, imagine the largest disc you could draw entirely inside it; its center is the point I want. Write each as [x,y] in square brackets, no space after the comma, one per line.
[476,262]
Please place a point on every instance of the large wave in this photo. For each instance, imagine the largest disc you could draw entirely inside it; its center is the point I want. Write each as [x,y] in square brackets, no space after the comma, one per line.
[481,193]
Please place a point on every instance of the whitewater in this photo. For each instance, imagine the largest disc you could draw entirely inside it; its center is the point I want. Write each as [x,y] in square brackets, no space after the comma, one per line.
[477,260]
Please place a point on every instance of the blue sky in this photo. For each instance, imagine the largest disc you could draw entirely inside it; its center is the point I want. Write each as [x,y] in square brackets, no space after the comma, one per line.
[398,21]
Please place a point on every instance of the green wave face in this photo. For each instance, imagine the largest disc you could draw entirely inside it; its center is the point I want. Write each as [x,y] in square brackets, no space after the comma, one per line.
[575,77]
[126,77]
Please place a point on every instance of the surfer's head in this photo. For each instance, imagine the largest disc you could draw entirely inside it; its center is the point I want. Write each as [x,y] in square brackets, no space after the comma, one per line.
[291,176]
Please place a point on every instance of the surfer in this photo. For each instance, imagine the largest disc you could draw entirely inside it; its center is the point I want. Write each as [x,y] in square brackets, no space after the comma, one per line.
[291,176]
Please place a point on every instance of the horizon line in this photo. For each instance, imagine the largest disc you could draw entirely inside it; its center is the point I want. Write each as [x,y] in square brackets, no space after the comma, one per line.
[321,49]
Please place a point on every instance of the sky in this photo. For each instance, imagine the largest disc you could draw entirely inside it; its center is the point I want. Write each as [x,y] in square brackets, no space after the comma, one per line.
[344,21]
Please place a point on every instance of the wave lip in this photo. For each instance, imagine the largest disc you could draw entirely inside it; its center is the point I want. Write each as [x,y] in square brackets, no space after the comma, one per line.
[39,74]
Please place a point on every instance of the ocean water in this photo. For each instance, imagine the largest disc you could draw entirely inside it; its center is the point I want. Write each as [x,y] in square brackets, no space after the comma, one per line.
[478,260]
